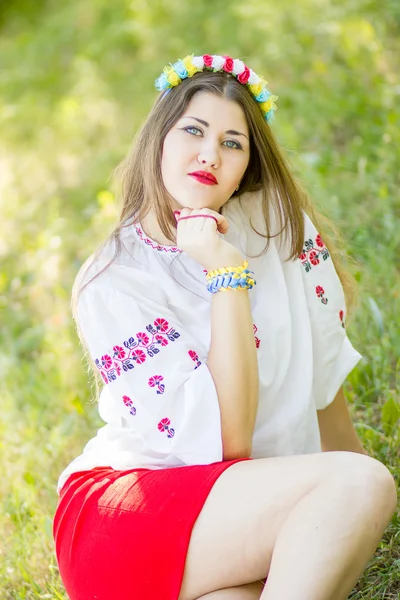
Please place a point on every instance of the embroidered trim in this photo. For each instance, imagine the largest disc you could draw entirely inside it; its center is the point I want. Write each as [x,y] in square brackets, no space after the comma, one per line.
[311,254]
[152,244]
[341,317]
[129,355]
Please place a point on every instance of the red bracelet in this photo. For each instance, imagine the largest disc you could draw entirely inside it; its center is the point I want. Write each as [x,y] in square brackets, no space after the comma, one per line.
[198,216]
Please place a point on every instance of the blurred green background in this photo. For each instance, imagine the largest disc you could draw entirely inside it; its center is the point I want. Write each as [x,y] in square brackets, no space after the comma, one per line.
[76,81]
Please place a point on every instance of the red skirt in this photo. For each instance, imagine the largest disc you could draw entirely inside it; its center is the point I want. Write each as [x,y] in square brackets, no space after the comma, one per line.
[121,534]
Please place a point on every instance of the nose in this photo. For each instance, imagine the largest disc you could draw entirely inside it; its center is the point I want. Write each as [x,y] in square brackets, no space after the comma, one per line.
[209,157]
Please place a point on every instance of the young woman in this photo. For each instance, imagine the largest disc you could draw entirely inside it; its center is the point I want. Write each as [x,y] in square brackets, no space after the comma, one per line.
[215,316]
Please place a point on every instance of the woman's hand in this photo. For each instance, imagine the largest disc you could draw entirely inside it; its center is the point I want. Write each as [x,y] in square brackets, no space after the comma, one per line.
[197,236]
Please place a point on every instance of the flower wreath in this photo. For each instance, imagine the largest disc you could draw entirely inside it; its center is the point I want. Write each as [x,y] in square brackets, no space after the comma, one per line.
[173,74]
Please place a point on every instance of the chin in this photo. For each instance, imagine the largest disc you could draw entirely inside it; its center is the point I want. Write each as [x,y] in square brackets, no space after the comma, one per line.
[193,200]
[193,205]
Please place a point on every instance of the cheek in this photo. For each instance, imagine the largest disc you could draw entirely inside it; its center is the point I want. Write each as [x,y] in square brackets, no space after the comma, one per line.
[170,156]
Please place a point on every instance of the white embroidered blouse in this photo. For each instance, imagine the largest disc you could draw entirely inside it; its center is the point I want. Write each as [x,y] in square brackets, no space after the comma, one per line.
[146,323]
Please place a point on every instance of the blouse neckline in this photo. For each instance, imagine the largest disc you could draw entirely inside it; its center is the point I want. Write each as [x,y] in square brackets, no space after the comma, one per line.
[153,244]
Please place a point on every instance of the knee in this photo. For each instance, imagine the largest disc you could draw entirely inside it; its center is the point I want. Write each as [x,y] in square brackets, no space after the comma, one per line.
[368,478]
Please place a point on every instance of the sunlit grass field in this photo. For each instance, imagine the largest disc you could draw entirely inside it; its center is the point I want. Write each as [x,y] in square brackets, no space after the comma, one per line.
[76,81]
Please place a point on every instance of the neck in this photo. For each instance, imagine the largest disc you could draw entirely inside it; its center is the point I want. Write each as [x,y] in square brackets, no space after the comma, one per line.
[153,230]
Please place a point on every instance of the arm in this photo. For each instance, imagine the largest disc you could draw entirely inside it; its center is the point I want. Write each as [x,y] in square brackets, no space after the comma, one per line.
[336,428]
[232,361]
[159,397]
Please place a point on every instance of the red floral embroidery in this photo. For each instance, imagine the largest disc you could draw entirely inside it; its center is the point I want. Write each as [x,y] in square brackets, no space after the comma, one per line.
[164,425]
[155,381]
[117,368]
[255,329]
[195,358]
[119,351]
[341,317]
[128,402]
[106,361]
[161,324]
[143,338]
[320,293]
[139,356]
[136,350]
[311,253]
[161,340]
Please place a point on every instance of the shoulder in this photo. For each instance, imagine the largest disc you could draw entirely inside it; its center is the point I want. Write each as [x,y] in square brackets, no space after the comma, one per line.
[109,277]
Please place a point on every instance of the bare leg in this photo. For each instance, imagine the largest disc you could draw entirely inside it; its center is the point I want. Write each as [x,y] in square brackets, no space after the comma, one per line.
[308,523]
[251,591]
[321,551]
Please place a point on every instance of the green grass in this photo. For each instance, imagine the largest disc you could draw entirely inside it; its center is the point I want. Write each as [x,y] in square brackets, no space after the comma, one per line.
[75,83]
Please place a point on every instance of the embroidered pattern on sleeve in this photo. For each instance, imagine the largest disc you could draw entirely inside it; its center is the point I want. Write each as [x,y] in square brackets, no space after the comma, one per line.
[257,340]
[136,350]
[128,402]
[164,425]
[155,381]
[312,252]
[195,358]
[321,294]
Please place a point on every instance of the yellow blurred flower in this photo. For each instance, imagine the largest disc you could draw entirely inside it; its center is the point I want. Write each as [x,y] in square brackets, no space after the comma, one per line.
[173,78]
[257,88]
[266,106]
[191,69]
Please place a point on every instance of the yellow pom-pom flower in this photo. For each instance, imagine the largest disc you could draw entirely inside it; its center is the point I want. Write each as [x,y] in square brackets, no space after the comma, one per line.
[173,78]
[191,69]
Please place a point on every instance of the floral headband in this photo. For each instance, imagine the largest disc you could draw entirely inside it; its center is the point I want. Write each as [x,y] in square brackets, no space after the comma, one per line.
[173,74]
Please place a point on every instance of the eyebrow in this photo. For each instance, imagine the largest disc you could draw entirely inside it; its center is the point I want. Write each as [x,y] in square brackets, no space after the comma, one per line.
[230,131]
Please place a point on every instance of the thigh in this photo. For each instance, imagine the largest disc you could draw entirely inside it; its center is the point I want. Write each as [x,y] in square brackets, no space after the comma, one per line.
[250,591]
[234,536]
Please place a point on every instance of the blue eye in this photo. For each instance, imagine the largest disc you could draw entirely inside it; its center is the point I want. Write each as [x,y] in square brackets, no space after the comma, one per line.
[236,146]
[188,129]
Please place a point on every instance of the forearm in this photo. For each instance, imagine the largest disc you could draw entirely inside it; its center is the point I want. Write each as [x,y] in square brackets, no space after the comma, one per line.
[347,443]
[232,361]
[336,427]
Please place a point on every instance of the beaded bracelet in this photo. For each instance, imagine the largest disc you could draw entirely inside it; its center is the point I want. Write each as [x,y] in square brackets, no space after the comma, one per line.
[230,278]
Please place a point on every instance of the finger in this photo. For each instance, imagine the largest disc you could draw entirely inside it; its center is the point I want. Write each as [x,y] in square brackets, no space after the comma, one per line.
[190,222]
[198,217]
[220,221]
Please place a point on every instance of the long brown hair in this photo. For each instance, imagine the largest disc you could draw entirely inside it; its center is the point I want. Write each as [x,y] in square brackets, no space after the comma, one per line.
[139,180]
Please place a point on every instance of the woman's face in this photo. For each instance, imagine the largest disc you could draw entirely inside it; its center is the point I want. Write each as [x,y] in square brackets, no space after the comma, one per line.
[212,136]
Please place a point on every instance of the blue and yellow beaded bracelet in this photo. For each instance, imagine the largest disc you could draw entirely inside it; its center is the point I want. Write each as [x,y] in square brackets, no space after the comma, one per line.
[230,278]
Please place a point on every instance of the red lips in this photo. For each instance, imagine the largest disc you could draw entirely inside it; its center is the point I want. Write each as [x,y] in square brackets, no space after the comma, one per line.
[204,176]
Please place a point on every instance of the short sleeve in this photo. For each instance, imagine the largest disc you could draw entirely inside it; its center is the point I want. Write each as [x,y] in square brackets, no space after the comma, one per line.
[157,385]
[334,357]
